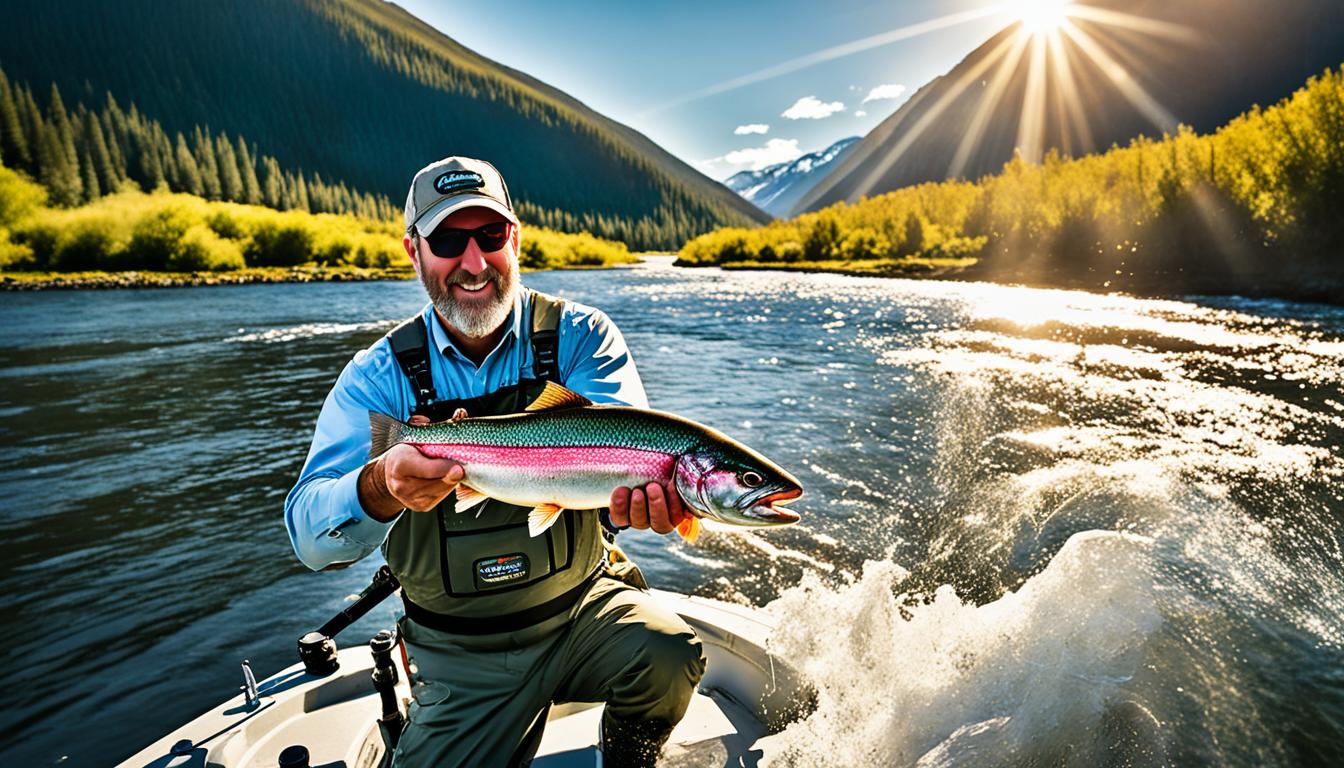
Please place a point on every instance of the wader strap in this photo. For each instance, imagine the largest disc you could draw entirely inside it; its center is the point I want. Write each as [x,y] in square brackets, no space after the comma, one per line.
[493,625]
[410,344]
[545,337]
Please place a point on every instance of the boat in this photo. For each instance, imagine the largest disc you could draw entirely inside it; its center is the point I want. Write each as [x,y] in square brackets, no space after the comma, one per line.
[336,707]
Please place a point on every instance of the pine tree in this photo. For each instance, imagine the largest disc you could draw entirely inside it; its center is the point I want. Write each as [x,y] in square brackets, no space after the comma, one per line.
[272,185]
[163,148]
[100,158]
[203,150]
[55,171]
[14,143]
[60,120]
[89,176]
[301,193]
[188,176]
[248,168]
[230,180]
[33,125]
[114,127]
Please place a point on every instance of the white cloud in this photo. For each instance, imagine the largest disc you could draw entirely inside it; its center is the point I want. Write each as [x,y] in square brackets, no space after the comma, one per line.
[860,113]
[774,151]
[743,130]
[752,158]
[882,92]
[811,108]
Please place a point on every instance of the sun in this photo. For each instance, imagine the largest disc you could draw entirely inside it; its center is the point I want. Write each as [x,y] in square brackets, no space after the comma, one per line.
[1041,17]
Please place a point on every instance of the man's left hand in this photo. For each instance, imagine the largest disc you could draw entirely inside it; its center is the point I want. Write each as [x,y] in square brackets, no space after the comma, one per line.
[652,506]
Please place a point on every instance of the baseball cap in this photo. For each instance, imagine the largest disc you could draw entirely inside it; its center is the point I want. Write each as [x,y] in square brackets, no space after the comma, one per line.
[452,184]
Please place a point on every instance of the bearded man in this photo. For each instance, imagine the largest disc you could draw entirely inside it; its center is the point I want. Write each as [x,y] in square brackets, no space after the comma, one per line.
[498,624]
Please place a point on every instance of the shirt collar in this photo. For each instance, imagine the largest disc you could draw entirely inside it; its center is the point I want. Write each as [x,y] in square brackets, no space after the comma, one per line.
[513,325]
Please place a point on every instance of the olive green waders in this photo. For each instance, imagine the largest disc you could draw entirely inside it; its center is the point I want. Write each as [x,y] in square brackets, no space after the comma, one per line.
[500,623]
[474,697]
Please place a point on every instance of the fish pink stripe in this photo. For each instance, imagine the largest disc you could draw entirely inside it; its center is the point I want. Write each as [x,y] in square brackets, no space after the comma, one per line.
[633,460]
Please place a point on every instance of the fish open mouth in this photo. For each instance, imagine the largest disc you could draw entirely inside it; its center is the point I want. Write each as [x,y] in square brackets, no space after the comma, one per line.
[769,508]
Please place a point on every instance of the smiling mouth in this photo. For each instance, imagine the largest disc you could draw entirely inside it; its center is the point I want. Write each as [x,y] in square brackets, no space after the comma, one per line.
[473,288]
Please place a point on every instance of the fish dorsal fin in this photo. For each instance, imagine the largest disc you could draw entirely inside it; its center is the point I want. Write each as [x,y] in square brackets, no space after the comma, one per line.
[543,516]
[689,529]
[555,397]
[468,497]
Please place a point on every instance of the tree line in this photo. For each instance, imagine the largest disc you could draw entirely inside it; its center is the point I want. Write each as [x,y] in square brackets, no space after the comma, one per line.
[1259,199]
[83,153]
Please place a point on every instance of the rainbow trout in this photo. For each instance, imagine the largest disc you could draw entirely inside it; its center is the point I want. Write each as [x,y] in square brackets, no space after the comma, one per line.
[564,452]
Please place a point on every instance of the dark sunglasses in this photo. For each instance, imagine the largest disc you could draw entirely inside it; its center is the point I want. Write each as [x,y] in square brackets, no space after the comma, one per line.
[447,243]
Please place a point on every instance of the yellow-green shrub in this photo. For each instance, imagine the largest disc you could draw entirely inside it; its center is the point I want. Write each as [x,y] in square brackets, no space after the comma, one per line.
[201,250]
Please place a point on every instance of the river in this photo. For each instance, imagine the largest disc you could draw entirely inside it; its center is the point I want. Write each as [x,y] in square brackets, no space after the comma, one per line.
[1025,508]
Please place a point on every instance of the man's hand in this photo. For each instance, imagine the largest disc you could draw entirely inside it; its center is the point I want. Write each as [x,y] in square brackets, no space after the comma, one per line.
[652,506]
[405,478]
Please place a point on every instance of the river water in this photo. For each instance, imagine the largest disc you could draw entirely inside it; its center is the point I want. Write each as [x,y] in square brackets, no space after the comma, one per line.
[1036,522]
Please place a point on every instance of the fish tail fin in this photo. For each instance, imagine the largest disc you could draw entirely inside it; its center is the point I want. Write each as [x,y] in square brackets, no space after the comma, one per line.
[689,528]
[384,432]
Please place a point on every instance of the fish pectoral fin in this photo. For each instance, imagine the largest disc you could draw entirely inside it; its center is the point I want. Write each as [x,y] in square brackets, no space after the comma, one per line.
[555,397]
[689,529]
[541,517]
[468,497]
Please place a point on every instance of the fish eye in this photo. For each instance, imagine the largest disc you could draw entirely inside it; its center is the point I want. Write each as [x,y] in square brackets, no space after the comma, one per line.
[752,479]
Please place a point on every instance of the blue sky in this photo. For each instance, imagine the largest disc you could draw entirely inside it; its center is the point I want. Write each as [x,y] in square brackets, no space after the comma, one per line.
[644,62]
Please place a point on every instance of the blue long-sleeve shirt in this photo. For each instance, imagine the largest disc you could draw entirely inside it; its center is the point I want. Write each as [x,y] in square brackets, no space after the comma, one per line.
[326,522]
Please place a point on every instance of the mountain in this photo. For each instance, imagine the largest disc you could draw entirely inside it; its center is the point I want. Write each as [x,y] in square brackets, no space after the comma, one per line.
[1136,67]
[777,187]
[361,92]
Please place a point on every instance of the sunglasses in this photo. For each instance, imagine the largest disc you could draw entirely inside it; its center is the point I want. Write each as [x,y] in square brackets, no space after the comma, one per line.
[447,243]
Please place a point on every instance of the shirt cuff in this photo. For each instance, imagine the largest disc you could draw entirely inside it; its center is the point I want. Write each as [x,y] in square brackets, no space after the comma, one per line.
[355,524]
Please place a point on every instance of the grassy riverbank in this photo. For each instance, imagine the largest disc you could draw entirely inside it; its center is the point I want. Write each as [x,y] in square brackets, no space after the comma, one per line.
[36,281]
[911,266]
[1252,208]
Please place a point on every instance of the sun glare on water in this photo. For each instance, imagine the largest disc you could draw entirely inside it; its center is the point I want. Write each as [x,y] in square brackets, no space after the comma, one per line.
[1040,17]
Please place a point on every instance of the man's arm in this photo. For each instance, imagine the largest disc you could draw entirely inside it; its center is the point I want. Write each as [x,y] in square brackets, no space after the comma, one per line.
[327,524]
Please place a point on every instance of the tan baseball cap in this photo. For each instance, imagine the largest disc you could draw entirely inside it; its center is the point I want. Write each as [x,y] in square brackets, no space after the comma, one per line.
[452,184]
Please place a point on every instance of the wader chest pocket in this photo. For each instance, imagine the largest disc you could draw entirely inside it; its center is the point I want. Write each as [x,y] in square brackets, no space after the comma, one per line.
[505,557]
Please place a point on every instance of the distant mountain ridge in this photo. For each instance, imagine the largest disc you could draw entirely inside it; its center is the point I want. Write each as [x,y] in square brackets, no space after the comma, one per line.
[362,92]
[1245,52]
[776,188]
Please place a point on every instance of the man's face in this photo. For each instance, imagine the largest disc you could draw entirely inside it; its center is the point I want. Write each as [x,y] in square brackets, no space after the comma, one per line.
[474,291]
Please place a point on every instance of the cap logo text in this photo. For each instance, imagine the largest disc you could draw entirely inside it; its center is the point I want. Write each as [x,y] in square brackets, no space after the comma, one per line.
[458,181]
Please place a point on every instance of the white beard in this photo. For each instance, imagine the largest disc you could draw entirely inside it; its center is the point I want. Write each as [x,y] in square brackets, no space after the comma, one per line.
[475,320]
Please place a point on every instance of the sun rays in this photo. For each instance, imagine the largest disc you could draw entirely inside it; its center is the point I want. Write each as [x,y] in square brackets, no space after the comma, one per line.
[1045,76]
[1055,42]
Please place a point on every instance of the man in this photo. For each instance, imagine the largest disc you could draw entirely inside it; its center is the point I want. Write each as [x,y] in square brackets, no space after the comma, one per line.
[498,623]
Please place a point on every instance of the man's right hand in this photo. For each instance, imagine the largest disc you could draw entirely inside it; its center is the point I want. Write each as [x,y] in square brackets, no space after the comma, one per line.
[405,478]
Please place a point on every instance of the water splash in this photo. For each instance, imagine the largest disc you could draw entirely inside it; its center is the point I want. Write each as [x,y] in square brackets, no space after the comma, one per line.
[1032,674]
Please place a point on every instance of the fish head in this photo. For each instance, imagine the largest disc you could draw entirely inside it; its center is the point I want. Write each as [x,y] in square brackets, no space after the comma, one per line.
[732,484]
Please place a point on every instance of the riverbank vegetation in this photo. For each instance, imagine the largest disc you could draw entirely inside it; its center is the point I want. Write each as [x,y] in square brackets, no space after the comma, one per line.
[1253,206]
[179,234]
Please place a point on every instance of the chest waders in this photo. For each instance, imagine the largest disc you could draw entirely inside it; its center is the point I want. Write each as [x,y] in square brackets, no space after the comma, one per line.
[479,572]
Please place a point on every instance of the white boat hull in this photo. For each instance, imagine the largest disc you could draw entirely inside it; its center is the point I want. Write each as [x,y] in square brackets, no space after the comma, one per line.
[744,696]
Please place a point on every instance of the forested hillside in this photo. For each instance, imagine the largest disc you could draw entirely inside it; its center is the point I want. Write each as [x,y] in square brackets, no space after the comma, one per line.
[361,94]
